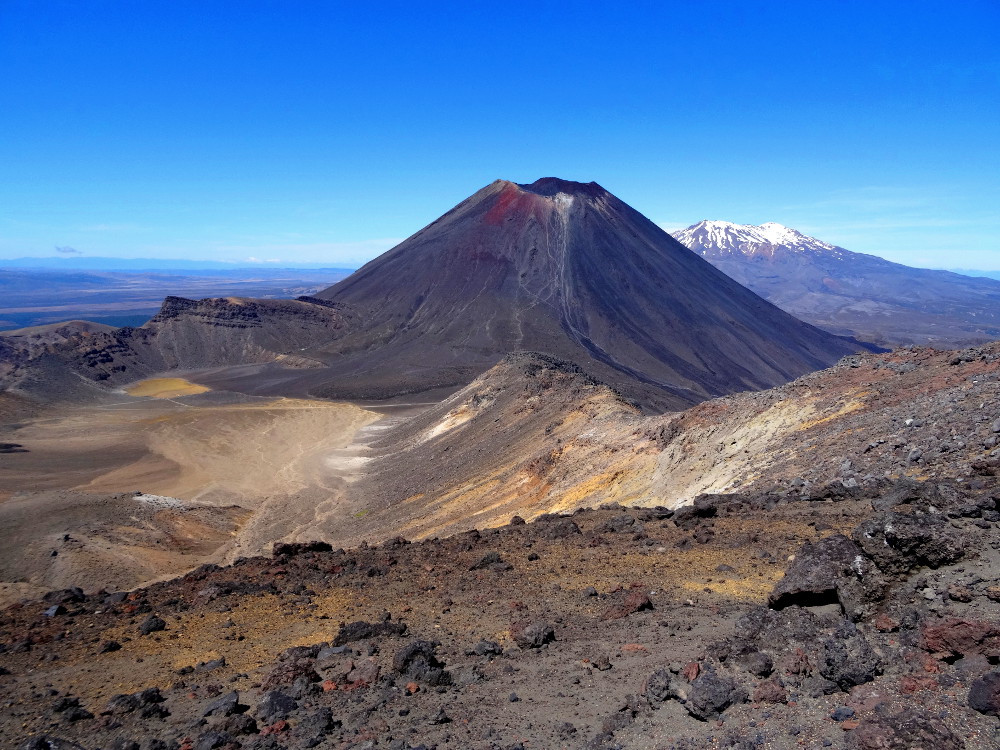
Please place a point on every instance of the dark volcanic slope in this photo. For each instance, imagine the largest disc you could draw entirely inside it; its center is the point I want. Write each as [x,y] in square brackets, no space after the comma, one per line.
[849,293]
[567,269]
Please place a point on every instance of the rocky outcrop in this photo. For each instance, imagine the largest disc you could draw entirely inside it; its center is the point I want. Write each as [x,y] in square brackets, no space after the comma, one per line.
[185,334]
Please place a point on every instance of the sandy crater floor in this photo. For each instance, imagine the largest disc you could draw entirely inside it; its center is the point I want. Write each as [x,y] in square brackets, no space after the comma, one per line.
[220,475]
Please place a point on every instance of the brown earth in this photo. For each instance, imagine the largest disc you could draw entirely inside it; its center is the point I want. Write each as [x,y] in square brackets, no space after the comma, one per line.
[592,577]
[128,492]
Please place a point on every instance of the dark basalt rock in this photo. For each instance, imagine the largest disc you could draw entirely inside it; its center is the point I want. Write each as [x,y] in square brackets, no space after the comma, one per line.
[362,631]
[984,694]
[532,634]
[152,624]
[47,742]
[704,506]
[900,542]
[72,595]
[621,523]
[906,491]
[290,549]
[848,659]
[225,705]
[275,705]
[711,693]
[418,661]
[557,527]
[909,729]
[833,570]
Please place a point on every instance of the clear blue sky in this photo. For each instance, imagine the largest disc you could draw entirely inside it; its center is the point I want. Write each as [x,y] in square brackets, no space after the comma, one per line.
[325,131]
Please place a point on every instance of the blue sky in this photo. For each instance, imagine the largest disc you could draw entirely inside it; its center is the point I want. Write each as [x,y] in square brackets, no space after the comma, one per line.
[327,131]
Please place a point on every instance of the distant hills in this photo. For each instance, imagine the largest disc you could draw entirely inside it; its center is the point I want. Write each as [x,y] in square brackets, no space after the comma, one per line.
[848,293]
[87,263]
[41,296]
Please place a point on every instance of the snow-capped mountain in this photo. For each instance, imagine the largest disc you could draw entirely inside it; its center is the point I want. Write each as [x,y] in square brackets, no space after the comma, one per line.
[848,293]
[721,238]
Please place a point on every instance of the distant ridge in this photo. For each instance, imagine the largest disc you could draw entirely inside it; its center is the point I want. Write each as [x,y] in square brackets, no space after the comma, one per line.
[848,293]
[96,263]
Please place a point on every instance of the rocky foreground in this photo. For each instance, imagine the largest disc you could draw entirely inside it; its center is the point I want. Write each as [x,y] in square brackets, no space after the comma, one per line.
[863,615]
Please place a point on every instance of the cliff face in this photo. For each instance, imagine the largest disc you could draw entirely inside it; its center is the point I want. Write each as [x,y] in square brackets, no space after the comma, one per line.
[185,334]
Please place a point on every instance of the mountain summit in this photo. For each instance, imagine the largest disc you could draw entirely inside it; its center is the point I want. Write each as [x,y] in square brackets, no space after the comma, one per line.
[713,239]
[850,293]
[566,269]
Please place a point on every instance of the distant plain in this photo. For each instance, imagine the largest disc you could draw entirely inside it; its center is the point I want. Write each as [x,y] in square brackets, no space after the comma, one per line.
[33,297]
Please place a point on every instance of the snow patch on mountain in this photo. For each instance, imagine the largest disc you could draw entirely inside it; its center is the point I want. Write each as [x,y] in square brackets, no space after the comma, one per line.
[722,238]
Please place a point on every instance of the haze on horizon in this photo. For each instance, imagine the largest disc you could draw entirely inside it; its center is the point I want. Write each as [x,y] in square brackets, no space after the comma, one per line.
[328,133]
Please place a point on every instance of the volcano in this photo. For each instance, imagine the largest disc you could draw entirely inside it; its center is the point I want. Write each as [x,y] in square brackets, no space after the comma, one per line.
[569,270]
[848,293]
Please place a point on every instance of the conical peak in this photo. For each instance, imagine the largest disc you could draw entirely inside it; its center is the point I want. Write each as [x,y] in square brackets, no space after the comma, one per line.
[550,186]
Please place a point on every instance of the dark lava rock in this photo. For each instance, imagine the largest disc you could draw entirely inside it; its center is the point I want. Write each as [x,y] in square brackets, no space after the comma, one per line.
[65,704]
[440,717]
[152,624]
[224,705]
[911,728]
[77,713]
[239,724]
[635,601]
[46,742]
[756,663]
[658,686]
[848,658]
[312,727]
[833,570]
[363,631]
[490,558]
[711,693]
[558,528]
[210,666]
[621,523]
[532,634]
[418,661]
[984,694]
[276,705]
[213,739]
[704,506]
[906,491]
[899,542]
[144,699]
[488,648]
[291,549]
[842,713]
[288,671]
[785,633]
[72,595]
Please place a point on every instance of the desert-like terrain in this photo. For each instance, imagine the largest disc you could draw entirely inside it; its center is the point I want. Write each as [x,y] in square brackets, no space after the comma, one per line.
[162,477]
[534,435]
